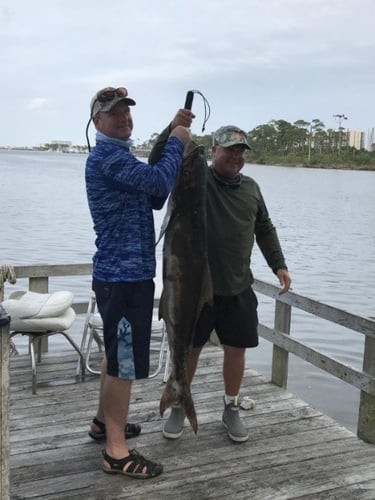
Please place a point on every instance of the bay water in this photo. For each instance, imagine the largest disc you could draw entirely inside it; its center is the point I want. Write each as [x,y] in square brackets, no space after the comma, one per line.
[325,221]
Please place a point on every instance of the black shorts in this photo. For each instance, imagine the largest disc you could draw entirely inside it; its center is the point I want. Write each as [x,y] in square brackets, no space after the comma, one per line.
[126,310]
[234,318]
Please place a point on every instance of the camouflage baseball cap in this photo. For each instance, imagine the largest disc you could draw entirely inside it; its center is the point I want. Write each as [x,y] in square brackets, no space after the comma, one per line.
[230,135]
[105,99]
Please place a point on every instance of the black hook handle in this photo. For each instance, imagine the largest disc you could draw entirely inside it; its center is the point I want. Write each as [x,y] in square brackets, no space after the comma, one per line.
[189,99]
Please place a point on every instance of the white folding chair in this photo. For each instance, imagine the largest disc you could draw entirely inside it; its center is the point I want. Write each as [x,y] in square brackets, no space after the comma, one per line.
[159,342]
[92,331]
[39,315]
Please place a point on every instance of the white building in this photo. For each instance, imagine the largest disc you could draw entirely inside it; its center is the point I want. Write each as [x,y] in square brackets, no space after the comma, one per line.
[356,139]
[371,139]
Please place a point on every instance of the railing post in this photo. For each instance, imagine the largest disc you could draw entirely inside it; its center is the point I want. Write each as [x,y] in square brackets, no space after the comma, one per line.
[4,409]
[40,285]
[280,356]
[366,414]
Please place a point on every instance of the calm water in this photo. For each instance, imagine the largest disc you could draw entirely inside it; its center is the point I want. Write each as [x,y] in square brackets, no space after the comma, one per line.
[325,221]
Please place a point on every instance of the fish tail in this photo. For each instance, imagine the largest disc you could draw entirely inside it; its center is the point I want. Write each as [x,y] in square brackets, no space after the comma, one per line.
[189,409]
[175,392]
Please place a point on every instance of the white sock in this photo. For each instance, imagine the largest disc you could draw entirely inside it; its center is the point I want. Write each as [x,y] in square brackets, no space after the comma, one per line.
[229,399]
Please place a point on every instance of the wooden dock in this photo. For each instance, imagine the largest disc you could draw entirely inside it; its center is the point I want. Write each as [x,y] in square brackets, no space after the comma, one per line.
[294,450]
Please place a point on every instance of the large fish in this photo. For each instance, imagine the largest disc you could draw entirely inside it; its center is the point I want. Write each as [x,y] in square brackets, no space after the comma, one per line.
[186,278]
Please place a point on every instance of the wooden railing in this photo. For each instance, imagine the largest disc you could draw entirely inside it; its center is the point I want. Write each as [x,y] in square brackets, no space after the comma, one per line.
[283,344]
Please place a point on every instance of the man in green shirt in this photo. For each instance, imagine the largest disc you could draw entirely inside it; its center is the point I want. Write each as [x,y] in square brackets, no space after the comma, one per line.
[236,217]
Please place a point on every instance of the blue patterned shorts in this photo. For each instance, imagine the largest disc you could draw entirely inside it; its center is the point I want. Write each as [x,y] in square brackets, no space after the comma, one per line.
[126,310]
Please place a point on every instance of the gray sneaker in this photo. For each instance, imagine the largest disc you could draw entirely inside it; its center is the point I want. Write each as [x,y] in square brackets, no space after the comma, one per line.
[231,419]
[174,426]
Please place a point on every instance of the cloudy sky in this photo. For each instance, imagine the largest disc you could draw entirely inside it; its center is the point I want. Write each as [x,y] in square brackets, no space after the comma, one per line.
[254,60]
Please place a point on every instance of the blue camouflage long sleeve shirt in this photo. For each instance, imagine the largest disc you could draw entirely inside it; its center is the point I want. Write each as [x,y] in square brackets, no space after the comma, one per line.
[122,191]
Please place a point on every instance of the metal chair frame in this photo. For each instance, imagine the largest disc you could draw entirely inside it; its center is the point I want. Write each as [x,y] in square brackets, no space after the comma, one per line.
[36,337]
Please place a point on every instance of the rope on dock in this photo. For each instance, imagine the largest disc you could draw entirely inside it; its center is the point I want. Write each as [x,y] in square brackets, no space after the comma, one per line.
[7,273]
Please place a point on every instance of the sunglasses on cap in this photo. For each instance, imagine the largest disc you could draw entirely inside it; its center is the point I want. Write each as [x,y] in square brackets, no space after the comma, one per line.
[103,98]
[107,95]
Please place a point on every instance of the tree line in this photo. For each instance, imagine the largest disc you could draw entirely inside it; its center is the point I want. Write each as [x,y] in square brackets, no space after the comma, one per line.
[300,143]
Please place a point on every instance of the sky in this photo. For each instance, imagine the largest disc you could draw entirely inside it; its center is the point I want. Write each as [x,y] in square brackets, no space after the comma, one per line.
[254,61]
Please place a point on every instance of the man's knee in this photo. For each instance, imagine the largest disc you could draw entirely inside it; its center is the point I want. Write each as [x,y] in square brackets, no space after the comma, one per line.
[234,352]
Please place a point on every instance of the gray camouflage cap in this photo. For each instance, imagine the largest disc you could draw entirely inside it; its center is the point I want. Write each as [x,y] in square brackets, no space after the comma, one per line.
[105,99]
[230,135]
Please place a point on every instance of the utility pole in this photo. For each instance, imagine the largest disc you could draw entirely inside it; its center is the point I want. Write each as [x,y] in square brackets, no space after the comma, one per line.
[340,118]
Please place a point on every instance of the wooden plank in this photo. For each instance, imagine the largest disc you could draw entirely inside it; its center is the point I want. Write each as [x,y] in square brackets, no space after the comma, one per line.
[336,482]
[47,270]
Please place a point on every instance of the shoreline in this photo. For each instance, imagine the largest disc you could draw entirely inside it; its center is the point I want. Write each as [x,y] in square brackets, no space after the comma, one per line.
[144,155]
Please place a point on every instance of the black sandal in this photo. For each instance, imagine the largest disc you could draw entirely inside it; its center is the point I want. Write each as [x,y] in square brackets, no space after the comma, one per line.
[131,430]
[135,469]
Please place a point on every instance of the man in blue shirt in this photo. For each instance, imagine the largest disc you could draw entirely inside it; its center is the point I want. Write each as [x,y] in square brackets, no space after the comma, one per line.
[122,191]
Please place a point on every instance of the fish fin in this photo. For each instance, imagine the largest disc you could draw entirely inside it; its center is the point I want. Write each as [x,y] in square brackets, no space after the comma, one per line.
[161,306]
[167,398]
[167,218]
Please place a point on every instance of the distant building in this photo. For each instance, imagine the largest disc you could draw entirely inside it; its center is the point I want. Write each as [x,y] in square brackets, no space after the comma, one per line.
[371,139]
[62,143]
[356,139]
